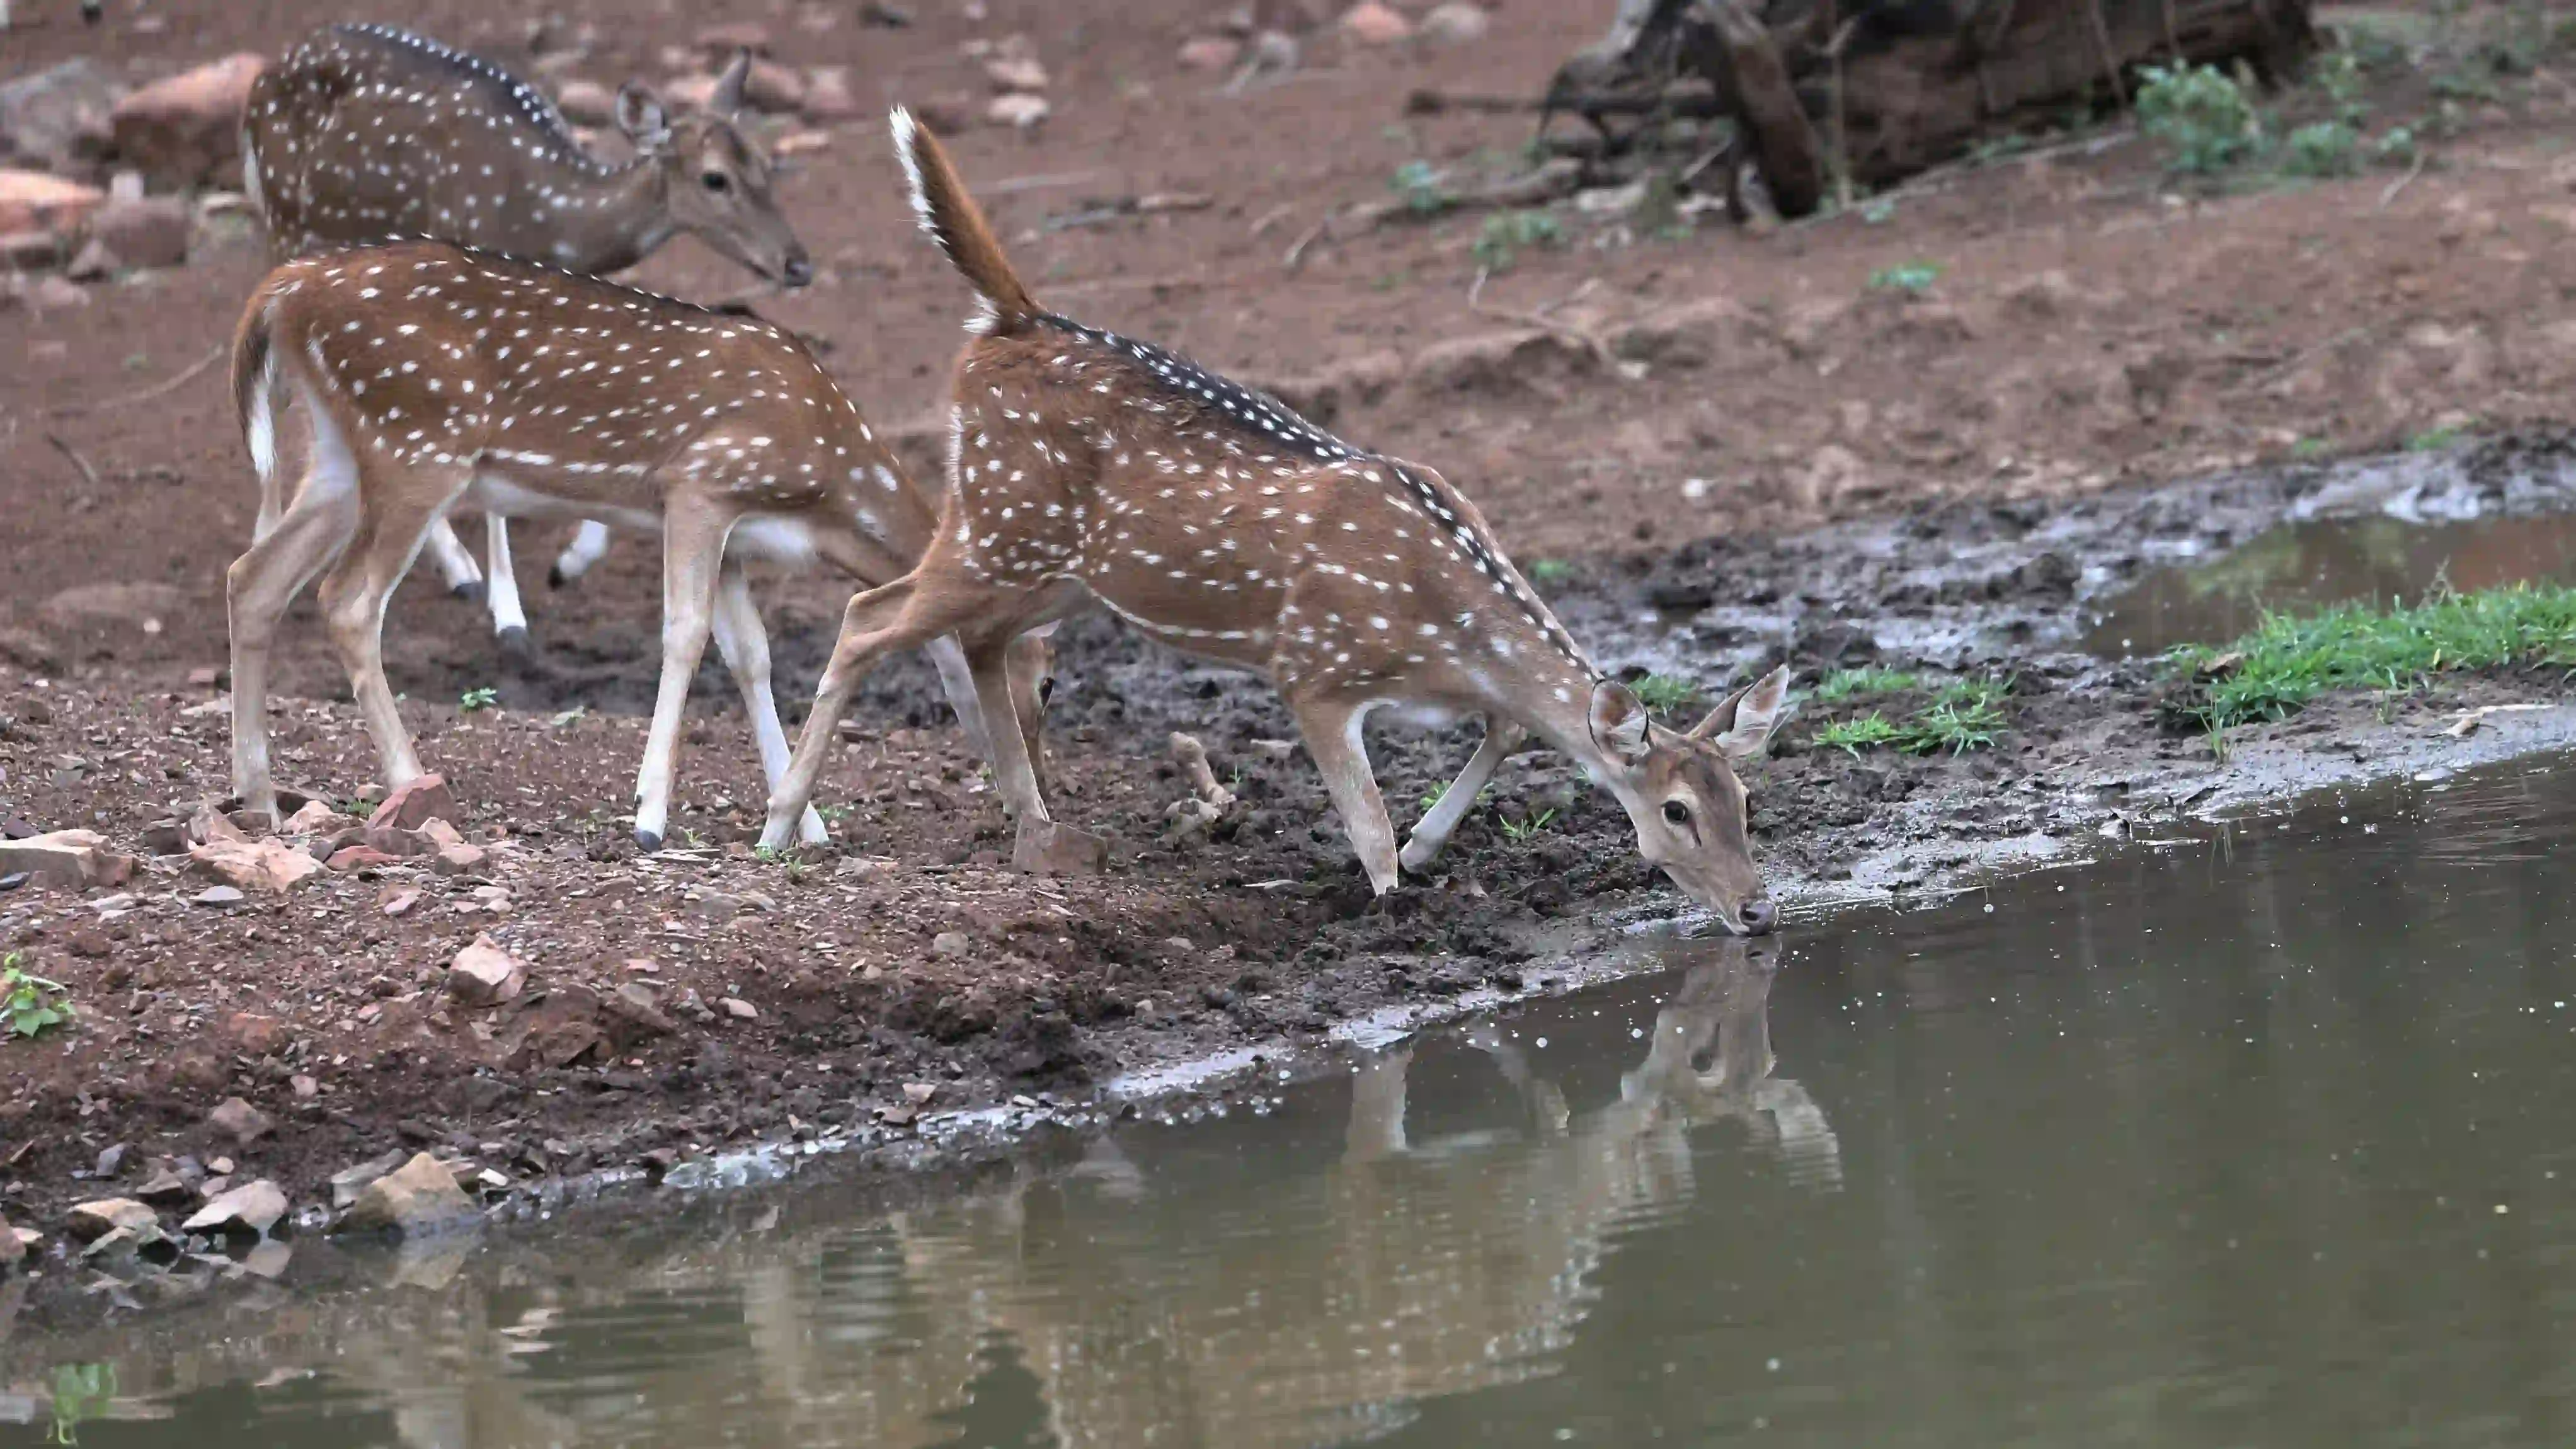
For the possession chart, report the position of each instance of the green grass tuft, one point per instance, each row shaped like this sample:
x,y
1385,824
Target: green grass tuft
x,y
1845,684
2288,661
1867,732
1664,693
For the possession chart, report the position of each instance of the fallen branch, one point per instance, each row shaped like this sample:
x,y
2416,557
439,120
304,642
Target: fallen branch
x,y
87,472
2402,182
1557,178
159,389
1151,204
2335,343
1539,319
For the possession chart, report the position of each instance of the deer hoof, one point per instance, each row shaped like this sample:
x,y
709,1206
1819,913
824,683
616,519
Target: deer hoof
x,y
471,591
556,578
1046,848
515,646
648,841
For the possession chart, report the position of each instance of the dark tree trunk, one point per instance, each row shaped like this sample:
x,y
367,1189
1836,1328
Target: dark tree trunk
x,y
1881,89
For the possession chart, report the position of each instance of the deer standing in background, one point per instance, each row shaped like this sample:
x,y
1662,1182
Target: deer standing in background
x,y
367,134
1085,465
431,375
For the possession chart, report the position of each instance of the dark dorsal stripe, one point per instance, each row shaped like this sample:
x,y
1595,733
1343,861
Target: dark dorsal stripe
x,y
1273,424
504,92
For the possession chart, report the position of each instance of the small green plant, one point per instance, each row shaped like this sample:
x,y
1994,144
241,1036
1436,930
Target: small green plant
x,y
2396,147
2200,114
2307,449
1912,278
1528,825
1851,736
1418,183
32,1002
568,718
1508,234
1432,797
2273,672
2435,440
1664,693
82,1391
1878,213
2338,74
2324,148
1550,571
1845,684
474,701
1954,725
2220,749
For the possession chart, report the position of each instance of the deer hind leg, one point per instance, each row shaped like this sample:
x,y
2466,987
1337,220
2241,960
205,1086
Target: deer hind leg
x,y
589,545
501,589
958,683
1027,662
261,584
1375,1131
744,643
1431,835
1332,729
393,525
994,661
456,565
693,541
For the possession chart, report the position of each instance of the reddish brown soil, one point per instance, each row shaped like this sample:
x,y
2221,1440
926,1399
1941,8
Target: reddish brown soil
x,y
2086,329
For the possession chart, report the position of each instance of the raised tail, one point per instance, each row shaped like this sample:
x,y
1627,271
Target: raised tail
x,y
954,221
255,397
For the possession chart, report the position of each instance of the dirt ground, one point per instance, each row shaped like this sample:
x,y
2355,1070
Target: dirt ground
x,y
2090,326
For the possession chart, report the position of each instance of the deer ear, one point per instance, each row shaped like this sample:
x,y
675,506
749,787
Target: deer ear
x,y
1618,722
1742,723
641,117
727,100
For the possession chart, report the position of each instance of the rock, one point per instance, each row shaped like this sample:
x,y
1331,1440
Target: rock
x,y
1023,112
240,1121
251,1209
800,143
219,896
55,294
183,131
1211,52
418,1198
70,859
13,1249
364,857
304,1087
147,231
738,1009
920,1093
266,1259
485,975
587,103
96,261
89,1221
773,89
1016,73
438,835
255,1034
110,1162
135,605
1371,23
269,864
30,251
458,859
828,96
416,804
317,818
35,201
57,119
348,1182
950,943
1053,848
397,900
1455,23
634,1013
166,1188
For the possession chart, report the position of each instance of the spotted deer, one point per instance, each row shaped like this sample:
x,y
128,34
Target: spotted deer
x,y
1089,466
368,133
431,375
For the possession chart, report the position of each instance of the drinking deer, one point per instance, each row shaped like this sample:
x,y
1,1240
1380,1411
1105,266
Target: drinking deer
x,y
1084,464
432,375
368,133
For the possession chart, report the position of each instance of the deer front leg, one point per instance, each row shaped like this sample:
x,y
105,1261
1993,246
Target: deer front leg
x,y
589,545
394,521
958,683
1431,835
1040,846
501,588
1375,1131
744,643
1332,732
692,546
464,579
873,623
263,582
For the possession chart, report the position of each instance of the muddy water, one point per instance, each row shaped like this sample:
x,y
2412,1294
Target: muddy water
x,y
2256,1138
2308,566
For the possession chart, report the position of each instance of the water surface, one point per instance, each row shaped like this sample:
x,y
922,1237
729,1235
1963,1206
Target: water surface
x,y
2261,1139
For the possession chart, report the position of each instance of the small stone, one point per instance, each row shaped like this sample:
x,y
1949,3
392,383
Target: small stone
x,y
348,1182
266,1259
738,1009
268,864
13,1249
184,130
828,96
415,805
420,1197
55,294
251,1209
458,859
485,975
1023,112
221,1167
33,201
397,900
772,89
72,859
1016,73
257,1035
801,143
166,1188
351,858
586,103
219,896
950,943
317,818
1371,23
920,1093
1457,22
305,1088
635,1006
143,231
110,1162
1211,52
90,1221
239,1120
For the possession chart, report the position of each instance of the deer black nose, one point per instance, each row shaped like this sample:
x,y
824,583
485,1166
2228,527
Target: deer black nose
x,y
797,272
1759,916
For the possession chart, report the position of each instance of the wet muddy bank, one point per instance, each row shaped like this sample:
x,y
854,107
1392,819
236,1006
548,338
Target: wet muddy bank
x,y
913,1003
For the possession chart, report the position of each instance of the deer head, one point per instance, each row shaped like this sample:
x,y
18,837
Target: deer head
x,y
716,182
1681,792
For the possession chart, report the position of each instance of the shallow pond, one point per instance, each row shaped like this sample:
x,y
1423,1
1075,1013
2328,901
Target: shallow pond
x,y
2260,1137
2304,567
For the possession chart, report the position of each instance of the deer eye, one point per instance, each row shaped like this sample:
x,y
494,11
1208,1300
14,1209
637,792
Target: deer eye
x,y
716,181
1677,812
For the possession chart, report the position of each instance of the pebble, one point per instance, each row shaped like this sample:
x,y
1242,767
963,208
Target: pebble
x,y
219,896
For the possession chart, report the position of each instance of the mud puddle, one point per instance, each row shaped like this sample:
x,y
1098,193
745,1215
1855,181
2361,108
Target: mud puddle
x,y
2244,1135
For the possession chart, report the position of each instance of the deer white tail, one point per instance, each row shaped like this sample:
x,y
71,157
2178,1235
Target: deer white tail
x,y
951,217
255,397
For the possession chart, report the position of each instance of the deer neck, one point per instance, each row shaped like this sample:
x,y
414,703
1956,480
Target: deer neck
x,y
607,221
